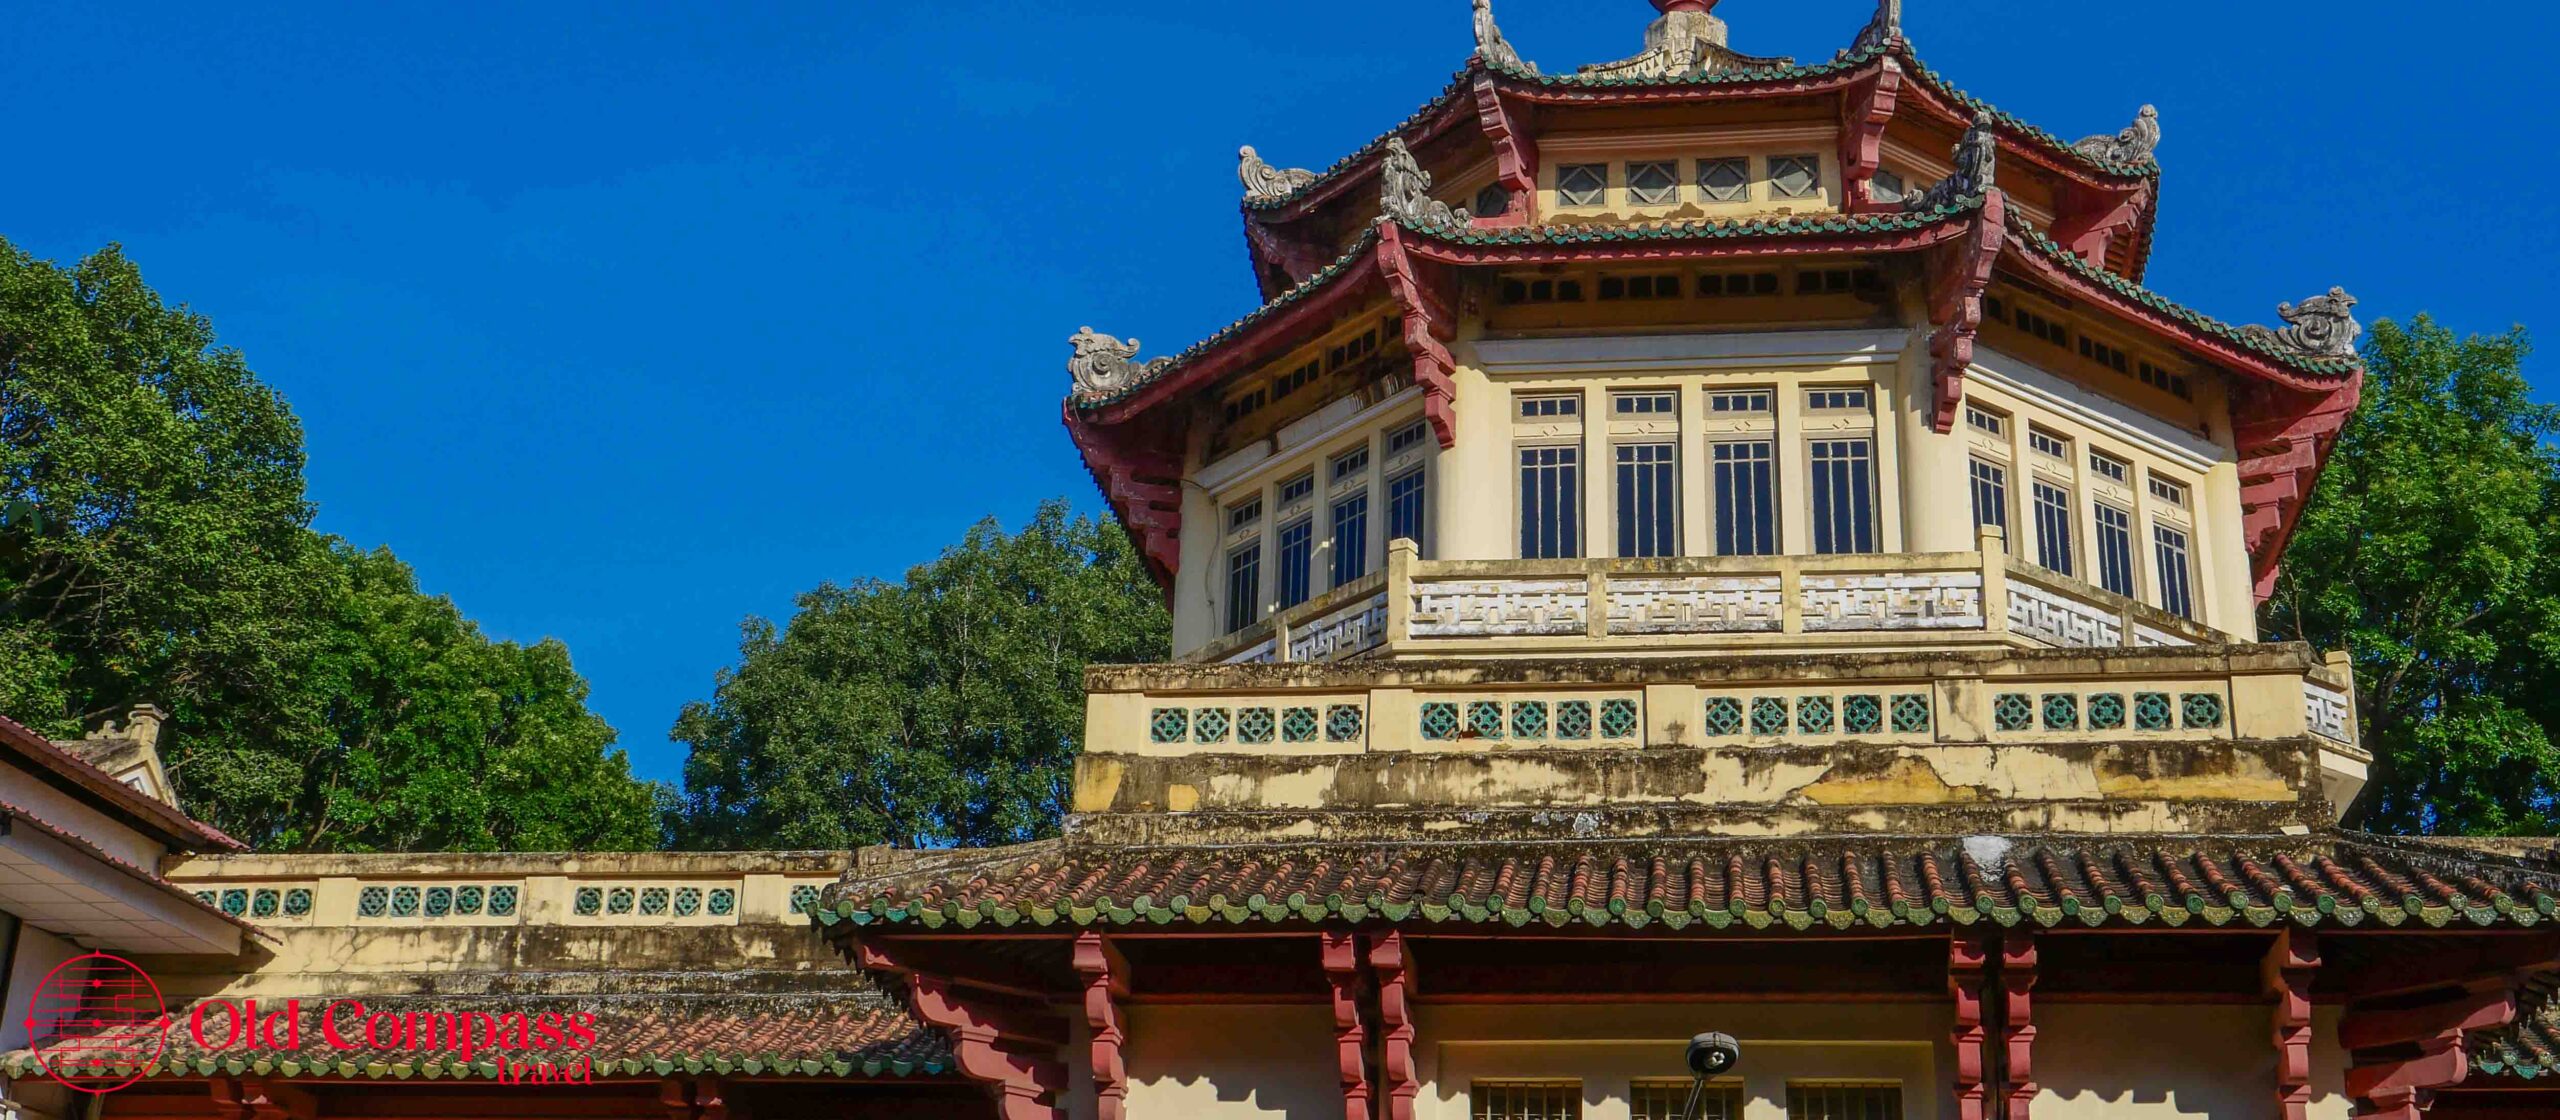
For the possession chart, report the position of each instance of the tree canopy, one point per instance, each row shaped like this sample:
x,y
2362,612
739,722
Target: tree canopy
x,y
157,546
2431,551
943,710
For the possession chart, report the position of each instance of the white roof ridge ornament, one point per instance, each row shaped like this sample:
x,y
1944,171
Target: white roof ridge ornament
x,y
1497,51
1883,30
1977,170
1265,183
1686,41
1404,191
2319,327
1103,365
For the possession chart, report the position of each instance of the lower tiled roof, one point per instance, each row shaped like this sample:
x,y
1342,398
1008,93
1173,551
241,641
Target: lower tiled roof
x,y
858,1034
2333,880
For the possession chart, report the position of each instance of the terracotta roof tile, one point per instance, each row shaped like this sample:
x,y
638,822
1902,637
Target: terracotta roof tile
x,y
842,1036
1717,884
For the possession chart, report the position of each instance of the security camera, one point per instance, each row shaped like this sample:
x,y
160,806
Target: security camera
x,y
1713,1053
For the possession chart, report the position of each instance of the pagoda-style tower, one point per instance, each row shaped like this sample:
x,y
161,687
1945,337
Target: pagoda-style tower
x,y
1710,541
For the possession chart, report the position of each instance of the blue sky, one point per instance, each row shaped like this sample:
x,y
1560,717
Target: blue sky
x,y
622,322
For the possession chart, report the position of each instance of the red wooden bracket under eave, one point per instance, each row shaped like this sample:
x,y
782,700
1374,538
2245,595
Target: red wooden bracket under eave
x,y
1339,952
1392,968
996,1046
2281,454
1515,150
1958,277
1144,488
2286,975
1864,112
1106,982
1968,970
1428,325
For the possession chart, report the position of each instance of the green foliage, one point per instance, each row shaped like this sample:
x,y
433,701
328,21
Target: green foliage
x,y
2431,550
947,709
155,544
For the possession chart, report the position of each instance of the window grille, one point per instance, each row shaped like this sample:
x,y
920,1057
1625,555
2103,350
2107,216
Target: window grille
x,y
2115,550
1244,515
1409,436
1756,402
1298,489
1648,505
1663,1100
2177,578
1990,496
1795,176
1653,184
2109,467
1244,586
1582,184
1725,180
1877,1101
1297,561
1550,503
1746,499
1524,1100
1405,498
1844,496
1351,537
2053,526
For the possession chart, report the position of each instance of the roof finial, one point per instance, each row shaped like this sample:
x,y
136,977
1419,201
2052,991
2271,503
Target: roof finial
x,y
2322,327
2134,145
1103,365
1977,166
1493,48
1265,183
1688,41
1882,30
1405,193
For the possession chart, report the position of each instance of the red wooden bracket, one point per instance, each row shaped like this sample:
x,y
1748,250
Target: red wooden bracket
x,y
2287,973
1428,325
2017,1022
1959,274
1106,981
1515,150
1864,111
1392,969
1968,970
1341,957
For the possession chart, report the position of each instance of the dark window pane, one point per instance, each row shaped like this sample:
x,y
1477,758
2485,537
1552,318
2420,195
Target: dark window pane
x,y
1746,500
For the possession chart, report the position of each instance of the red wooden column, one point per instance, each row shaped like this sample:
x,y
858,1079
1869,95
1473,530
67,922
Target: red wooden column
x,y
1968,971
1393,971
1341,954
2288,971
2017,1023
1106,982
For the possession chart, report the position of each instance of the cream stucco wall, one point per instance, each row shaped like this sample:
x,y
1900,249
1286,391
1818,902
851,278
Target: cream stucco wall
x,y
1229,1063
2150,1062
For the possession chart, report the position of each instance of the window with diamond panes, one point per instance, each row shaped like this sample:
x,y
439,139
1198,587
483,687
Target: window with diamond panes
x,y
1618,719
1439,721
1745,495
2014,711
1844,496
1795,176
1723,716
1524,1100
1653,183
1648,500
2053,527
1665,1100
1550,503
1342,723
1725,180
1297,561
1845,1101
2115,550
1582,184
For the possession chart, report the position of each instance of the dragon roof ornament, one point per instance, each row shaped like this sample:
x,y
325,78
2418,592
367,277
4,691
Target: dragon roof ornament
x,y
1265,183
2134,145
1405,193
1882,30
1685,42
1497,51
2322,327
1103,365
1977,167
